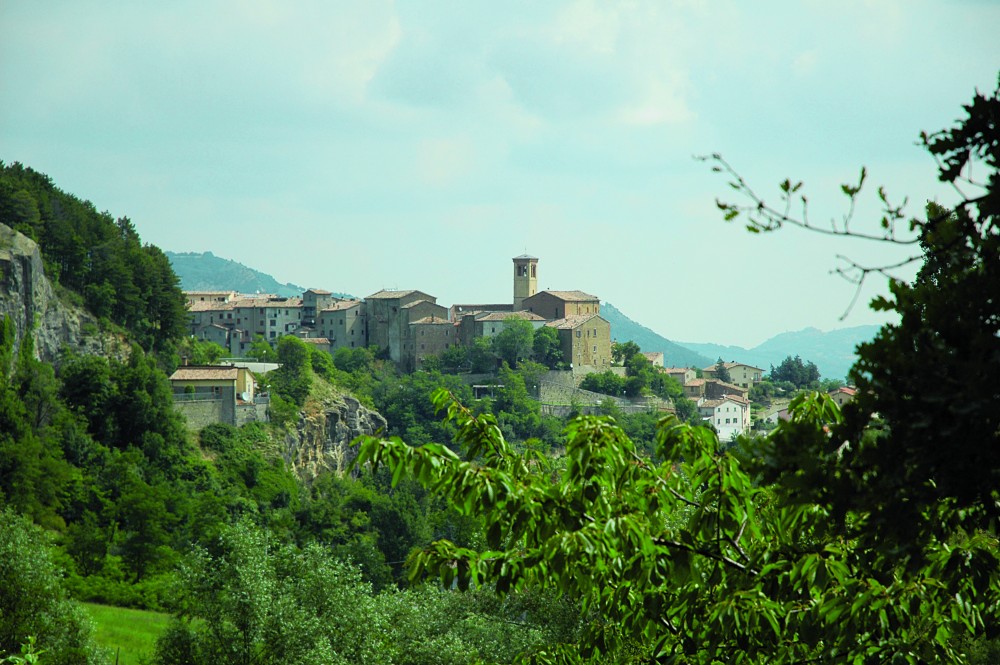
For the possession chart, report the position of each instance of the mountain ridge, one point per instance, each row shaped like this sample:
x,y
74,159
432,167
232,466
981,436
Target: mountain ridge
x,y
204,271
833,351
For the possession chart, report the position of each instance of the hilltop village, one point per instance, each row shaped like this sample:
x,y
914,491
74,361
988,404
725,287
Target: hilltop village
x,y
410,326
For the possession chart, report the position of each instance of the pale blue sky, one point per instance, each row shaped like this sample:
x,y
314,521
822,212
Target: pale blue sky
x,y
359,146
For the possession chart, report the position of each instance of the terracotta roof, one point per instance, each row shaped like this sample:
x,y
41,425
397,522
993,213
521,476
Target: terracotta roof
x,y
731,386
436,320
341,305
847,390
315,340
729,365
209,306
730,398
673,370
526,256
384,293
208,293
260,302
571,322
205,374
319,292
419,302
479,307
501,316
695,382
570,296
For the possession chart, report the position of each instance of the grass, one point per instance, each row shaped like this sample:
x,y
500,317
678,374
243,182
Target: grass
x,y
129,634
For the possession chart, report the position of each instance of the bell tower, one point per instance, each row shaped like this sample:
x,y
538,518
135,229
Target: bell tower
x,y
525,279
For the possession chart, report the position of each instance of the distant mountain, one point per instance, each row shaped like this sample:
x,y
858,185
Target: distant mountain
x,y
207,272
832,351
624,329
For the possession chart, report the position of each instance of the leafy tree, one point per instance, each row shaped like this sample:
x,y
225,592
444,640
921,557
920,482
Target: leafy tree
x,y
621,352
33,601
293,379
721,372
868,536
606,383
200,351
455,358
547,348
260,349
793,370
514,343
482,357
257,602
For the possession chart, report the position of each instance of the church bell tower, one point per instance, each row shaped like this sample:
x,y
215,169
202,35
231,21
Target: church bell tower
x,y
525,279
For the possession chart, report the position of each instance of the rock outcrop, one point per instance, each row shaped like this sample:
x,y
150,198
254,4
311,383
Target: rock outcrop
x,y
28,299
322,439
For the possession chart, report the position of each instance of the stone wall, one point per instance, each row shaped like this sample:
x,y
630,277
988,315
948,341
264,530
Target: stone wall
x,y
202,412
251,413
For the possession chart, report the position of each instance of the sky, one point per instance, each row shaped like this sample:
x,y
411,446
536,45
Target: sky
x,y
356,146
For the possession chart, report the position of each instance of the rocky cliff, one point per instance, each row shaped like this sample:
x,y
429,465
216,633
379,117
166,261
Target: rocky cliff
x,y
322,439
29,300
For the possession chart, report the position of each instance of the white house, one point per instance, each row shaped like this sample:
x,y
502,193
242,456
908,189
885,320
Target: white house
x,y
729,415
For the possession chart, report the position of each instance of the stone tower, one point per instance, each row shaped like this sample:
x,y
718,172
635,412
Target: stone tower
x,y
525,279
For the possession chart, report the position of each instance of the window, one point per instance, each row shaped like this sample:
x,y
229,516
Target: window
x,y
595,348
579,333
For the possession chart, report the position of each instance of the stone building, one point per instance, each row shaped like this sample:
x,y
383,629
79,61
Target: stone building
x,y
490,324
389,314
244,317
561,304
585,339
344,323
681,374
211,393
429,336
314,301
746,376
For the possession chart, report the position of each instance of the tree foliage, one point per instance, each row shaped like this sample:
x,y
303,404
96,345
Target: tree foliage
x,y
101,258
793,370
33,601
514,343
863,537
722,372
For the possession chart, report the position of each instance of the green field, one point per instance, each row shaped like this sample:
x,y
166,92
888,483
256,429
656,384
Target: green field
x,y
129,634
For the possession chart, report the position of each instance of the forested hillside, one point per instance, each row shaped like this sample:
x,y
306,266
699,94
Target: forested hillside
x,y
625,329
207,272
97,256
